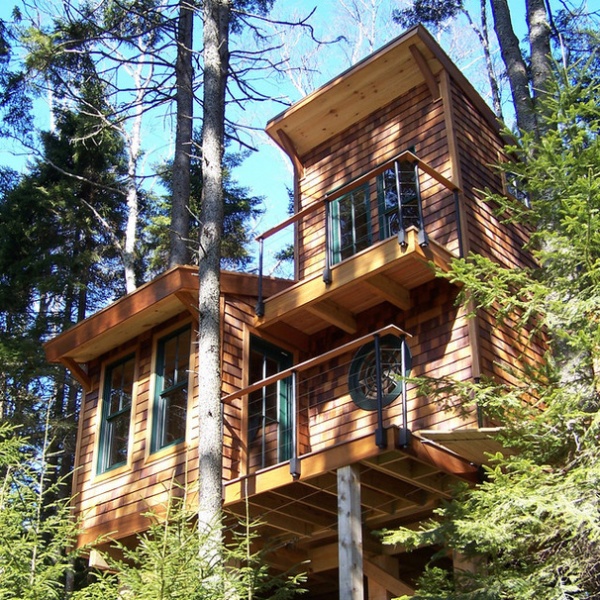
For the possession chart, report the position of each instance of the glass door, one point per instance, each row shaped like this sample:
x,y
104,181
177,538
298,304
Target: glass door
x,y
269,408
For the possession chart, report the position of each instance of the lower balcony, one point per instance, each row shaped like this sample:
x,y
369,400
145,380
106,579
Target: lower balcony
x,y
302,426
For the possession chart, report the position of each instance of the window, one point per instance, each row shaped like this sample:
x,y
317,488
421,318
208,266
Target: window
x,y
269,409
116,414
171,392
399,199
350,224
362,377
513,186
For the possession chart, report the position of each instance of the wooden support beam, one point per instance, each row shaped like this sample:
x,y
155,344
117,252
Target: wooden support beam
x,y
78,372
437,483
385,579
291,151
298,527
336,315
389,290
429,77
189,301
350,534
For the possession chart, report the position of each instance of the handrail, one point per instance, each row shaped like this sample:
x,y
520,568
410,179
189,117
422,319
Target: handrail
x,y
311,362
343,189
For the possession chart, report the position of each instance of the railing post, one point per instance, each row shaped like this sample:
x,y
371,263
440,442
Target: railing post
x,y
422,238
260,304
404,432
380,437
401,229
327,270
294,460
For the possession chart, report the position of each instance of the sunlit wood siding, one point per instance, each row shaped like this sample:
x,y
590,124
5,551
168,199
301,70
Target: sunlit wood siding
x,y
439,347
414,120
115,501
505,348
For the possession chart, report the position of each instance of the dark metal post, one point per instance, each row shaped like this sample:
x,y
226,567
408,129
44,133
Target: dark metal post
x,y
404,433
422,235
380,437
260,305
401,228
327,271
294,460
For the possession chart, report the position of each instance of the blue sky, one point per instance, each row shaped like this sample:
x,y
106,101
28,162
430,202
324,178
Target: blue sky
x,y
268,172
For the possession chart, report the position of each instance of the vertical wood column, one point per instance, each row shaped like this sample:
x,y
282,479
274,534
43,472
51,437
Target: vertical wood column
x,y
350,550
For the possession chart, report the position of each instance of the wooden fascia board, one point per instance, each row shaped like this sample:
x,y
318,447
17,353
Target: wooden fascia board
x,y
180,283
120,311
287,144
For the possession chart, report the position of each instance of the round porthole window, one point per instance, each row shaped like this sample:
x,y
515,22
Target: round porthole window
x,y
362,378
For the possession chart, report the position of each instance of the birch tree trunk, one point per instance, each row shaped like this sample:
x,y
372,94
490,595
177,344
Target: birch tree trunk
x,y
216,59
180,216
133,150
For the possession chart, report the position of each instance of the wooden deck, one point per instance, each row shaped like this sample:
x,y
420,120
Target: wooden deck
x,y
398,486
386,271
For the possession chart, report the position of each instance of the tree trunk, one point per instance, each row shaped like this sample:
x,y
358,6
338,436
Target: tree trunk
x,y
180,215
216,58
539,41
485,42
133,151
516,68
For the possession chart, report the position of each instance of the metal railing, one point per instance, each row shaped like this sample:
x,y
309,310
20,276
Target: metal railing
x,y
295,392
392,164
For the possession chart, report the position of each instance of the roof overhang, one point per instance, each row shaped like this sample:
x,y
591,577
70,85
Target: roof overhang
x,y
405,62
151,304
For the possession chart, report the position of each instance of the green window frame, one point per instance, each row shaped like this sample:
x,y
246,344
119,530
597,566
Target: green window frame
x,y
171,389
273,403
399,182
350,224
117,395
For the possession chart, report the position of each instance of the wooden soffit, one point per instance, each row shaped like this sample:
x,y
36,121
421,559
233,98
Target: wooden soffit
x,y
474,445
153,303
407,61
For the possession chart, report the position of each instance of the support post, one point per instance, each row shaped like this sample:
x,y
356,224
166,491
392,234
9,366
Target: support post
x,y
294,460
422,237
350,550
380,437
404,433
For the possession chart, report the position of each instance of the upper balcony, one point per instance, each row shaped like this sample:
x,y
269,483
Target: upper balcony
x,y
371,240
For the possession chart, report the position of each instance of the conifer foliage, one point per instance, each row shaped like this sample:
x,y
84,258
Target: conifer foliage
x,y
532,528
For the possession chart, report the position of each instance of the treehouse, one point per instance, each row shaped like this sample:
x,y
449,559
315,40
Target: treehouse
x,y
323,438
